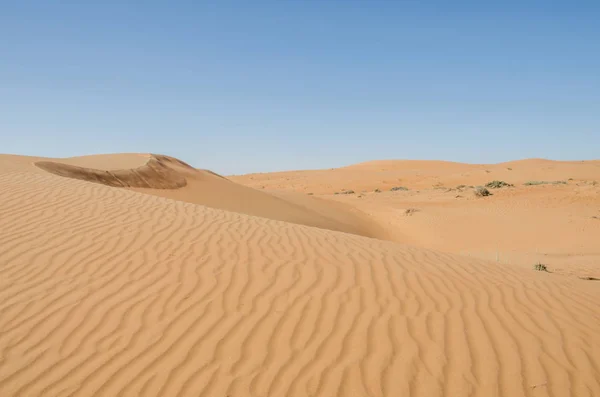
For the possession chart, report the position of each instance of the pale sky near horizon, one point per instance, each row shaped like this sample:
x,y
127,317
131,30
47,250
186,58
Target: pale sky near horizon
x,y
237,86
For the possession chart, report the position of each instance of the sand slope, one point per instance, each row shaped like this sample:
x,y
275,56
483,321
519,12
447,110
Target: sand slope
x,y
558,225
110,292
171,178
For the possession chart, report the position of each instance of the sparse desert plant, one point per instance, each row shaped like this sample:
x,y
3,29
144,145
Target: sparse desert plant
x,y
510,169
377,191
397,188
347,192
481,191
461,187
534,183
497,184
410,211
540,267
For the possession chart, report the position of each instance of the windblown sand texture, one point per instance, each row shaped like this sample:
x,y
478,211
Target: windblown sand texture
x,y
126,291
557,224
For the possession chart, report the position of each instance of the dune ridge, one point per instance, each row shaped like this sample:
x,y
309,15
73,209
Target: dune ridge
x,y
113,292
156,173
172,178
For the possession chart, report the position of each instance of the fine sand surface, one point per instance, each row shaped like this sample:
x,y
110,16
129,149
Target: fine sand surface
x,y
556,224
117,291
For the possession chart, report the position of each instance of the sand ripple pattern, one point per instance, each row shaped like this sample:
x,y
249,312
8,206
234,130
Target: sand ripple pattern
x,y
108,292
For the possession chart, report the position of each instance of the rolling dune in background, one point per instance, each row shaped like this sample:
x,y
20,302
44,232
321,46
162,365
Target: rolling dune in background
x,y
108,291
556,224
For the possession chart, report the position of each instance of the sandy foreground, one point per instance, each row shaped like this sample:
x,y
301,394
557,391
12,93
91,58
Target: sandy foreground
x,y
129,275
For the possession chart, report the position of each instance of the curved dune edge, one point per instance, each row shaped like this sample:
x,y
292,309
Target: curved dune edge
x,y
157,173
174,179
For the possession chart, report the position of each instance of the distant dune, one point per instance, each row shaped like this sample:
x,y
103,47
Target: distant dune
x,y
556,221
211,288
420,174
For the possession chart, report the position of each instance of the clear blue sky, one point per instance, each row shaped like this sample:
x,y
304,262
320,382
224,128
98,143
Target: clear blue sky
x,y
246,86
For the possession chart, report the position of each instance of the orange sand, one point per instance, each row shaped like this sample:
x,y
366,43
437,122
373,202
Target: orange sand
x,y
109,291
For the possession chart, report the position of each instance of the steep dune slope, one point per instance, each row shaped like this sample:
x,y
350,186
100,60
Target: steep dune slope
x,y
106,291
171,178
206,188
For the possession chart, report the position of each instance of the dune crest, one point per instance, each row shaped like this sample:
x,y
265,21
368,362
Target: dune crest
x,y
157,173
171,178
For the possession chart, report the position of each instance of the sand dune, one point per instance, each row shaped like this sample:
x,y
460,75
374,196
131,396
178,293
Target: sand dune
x,y
171,178
558,225
107,291
206,188
417,174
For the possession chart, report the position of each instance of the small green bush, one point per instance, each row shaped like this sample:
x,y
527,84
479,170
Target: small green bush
x,y
397,188
540,267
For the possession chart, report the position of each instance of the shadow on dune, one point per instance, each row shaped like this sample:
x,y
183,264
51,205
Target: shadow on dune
x,y
160,172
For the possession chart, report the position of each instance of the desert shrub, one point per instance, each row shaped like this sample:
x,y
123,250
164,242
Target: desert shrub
x,y
540,267
481,191
347,192
533,183
410,211
396,188
377,191
497,184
